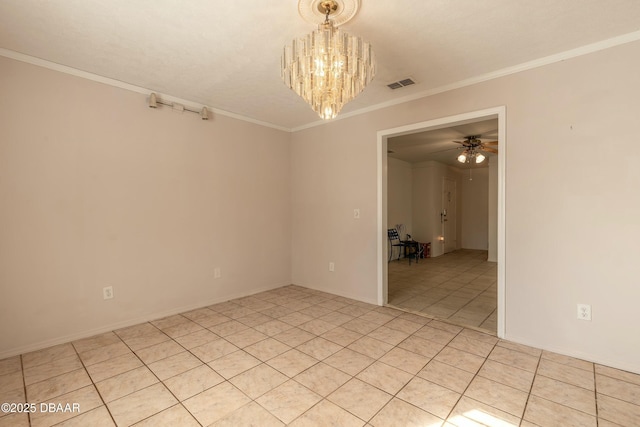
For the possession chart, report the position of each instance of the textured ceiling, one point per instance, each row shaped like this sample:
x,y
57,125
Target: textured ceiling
x,y
226,54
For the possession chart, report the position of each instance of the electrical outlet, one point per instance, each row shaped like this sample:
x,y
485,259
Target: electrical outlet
x,y
356,214
584,312
216,273
107,292
332,267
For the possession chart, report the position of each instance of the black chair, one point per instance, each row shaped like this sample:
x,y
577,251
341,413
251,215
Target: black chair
x,y
394,237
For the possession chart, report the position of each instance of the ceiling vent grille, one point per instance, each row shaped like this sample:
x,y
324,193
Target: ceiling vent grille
x,y
401,83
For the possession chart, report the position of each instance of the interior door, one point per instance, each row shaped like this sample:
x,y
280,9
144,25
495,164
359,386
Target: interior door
x,y
448,215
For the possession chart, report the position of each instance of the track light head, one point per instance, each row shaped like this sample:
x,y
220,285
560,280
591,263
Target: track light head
x,y
153,101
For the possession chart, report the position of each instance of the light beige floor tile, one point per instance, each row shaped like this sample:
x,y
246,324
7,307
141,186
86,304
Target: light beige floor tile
x,y
126,383
56,386
429,396
159,351
317,326
182,329
98,417
326,413
10,382
500,396
349,361
112,367
319,348
170,321
14,420
257,381
44,371
234,363
421,346
370,347
296,318
446,375
440,336
273,327
617,374
141,404
399,413
360,398
569,361
175,416
192,382
16,395
292,362
322,379
106,352
246,337
460,359
385,377
10,365
254,319
470,412
213,350
342,336
565,394
216,403
531,351
288,401
250,415
174,365
404,359
514,358
545,413
142,341
359,325
507,375
619,389
388,335
136,331
96,341
47,355
471,345
294,337
576,376
86,399
403,325
618,411
336,318
267,349
196,339
228,328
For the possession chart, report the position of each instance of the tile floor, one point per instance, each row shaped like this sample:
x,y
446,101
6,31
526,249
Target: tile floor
x,y
459,286
294,356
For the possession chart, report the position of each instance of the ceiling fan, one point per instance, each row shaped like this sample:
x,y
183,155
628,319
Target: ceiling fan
x,y
473,148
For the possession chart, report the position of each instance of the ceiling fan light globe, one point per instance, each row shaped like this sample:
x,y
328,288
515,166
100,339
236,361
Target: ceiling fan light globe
x,y
462,158
479,158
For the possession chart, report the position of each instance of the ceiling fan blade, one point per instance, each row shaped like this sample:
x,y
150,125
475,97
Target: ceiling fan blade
x,y
461,142
489,150
490,143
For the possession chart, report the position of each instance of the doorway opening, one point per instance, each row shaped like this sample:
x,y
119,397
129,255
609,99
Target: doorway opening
x,y
439,216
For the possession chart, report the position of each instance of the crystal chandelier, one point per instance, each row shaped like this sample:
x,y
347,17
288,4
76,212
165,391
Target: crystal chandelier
x,y
328,67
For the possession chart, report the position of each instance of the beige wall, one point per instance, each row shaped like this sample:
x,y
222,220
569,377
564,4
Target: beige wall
x,y
96,189
474,209
572,200
400,193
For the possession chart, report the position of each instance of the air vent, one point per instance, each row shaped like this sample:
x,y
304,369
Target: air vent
x,y
401,83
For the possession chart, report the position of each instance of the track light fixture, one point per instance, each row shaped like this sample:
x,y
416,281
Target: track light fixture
x,y
154,101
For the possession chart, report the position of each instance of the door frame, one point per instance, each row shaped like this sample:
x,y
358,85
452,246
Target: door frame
x,y
382,137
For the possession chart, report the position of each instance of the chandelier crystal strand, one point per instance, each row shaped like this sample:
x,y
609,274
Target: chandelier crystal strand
x,y
328,68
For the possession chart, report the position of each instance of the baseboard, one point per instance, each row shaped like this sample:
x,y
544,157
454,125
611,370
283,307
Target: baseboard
x,y
130,322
